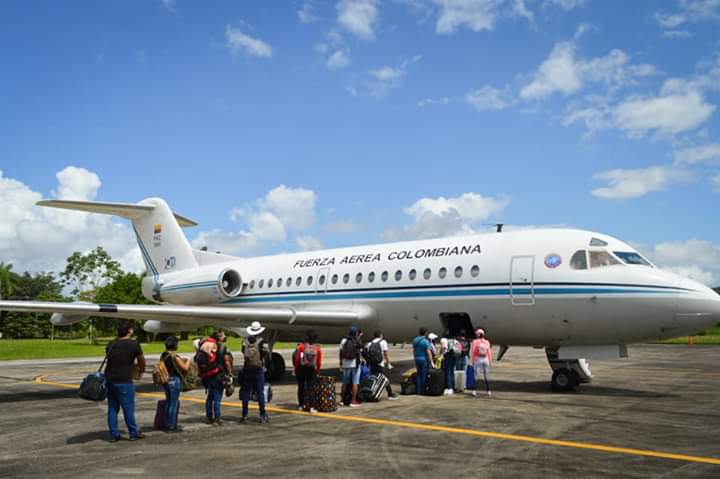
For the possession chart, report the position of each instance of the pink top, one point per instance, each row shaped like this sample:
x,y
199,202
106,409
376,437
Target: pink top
x,y
480,348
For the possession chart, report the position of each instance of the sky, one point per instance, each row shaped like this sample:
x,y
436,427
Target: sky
x,y
298,125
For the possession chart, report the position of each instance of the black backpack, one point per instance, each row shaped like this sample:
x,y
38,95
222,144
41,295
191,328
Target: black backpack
x,y
350,349
375,353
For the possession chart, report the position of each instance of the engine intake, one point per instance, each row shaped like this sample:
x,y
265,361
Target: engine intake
x,y
230,283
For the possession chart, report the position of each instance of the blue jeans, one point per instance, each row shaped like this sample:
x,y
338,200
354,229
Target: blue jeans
x,y
214,388
351,375
253,380
449,371
461,363
421,376
172,398
121,395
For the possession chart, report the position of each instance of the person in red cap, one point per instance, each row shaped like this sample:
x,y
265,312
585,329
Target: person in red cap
x,y
481,358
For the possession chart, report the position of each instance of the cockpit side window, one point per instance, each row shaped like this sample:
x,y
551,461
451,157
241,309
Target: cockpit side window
x,y
598,242
599,259
631,257
579,260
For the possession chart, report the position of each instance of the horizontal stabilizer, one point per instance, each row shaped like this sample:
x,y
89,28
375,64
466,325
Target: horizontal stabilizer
x,y
130,211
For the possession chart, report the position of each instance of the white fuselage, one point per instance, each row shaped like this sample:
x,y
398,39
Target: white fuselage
x,y
519,286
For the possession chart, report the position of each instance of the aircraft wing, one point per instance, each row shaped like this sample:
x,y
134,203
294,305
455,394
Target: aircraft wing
x,y
198,315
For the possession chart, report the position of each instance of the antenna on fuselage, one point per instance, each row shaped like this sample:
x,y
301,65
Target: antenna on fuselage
x,y
498,227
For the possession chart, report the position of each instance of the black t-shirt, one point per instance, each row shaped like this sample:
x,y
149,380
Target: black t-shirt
x,y
170,364
120,359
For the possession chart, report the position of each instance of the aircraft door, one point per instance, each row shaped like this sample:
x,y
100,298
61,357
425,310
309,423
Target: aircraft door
x,y
321,280
522,285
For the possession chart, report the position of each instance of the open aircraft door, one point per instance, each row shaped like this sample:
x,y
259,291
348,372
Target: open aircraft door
x,y
522,286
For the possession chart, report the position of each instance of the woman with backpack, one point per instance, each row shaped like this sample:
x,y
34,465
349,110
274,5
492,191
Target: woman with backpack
x,y
481,357
308,360
209,372
176,367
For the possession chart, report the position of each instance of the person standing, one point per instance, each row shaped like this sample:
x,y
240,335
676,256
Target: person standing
x,y
208,370
422,352
309,362
225,361
256,353
378,359
448,344
176,367
481,357
122,355
350,352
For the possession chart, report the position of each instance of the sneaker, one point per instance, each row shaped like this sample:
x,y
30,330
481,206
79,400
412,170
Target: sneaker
x,y
474,394
489,393
265,418
210,421
354,404
393,397
301,408
445,392
218,422
312,410
243,420
114,438
450,392
139,436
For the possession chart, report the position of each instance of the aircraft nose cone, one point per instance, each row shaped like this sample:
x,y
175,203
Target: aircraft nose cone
x,y
698,307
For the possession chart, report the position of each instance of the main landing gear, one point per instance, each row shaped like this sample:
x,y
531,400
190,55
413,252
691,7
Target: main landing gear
x,y
567,373
276,369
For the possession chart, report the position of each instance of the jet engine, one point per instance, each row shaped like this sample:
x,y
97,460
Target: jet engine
x,y
205,285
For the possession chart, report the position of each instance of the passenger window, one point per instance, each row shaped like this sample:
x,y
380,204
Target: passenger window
x,y
288,282
384,276
358,278
321,279
270,283
252,284
579,260
309,280
427,273
442,272
599,259
260,284
412,275
279,283
371,276
398,275
346,278
458,272
334,279
298,281
475,271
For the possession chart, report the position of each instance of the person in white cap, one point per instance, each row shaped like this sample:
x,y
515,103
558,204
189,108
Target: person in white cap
x,y
256,353
481,358
433,347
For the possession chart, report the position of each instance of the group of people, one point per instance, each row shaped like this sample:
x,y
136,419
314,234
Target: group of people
x,y
214,363
453,354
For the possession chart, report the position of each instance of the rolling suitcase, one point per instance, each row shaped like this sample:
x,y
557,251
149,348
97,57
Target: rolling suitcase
x,y
159,422
324,394
460,380
408,385
470,382
435,383
372,387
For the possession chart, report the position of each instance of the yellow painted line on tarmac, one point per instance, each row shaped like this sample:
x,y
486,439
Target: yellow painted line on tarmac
x,y
446,429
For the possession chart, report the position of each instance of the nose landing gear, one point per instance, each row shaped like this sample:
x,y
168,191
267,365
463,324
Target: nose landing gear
x,y
567,373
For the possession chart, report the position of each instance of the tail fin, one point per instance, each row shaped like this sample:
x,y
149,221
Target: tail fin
x,y
162,243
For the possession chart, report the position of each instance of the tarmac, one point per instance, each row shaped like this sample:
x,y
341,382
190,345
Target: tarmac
x,y
655,414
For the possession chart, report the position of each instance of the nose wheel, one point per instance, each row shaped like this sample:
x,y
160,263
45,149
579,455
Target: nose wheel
x,y
568,374
564,379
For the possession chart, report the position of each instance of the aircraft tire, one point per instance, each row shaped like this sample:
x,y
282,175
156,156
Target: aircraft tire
x,y
277,370
564,379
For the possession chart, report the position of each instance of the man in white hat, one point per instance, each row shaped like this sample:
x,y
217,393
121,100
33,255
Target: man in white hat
x,y
257,355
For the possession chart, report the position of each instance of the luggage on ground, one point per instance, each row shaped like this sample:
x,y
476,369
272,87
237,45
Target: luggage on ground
x,y
93,387
323,398
408,385
435,383
373,387
460,380
159,422
470,381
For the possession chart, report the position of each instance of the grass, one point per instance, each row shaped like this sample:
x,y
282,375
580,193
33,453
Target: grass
x,y
710,336
81,348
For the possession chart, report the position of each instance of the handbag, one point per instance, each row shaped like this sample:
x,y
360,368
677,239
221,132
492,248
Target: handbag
x,y
94,386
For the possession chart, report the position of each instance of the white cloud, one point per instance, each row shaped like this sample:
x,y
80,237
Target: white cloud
x,y
690,11
668,20
664,114
627,184
238,41
697,154
715,180
488,98
306,14
387,73
267,226
239,243
563,73
676,34
694,258
358,17
339,59
308,243
433,101
34,238
519,9
565,4
435,217
295,207
343,227
383,79
477,15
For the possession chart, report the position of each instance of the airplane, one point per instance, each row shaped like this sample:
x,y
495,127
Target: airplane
x,y
578,294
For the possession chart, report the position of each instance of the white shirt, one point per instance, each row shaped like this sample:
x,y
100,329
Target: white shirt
x,y
383,348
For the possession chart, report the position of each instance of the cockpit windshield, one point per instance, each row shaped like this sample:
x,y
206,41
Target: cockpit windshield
x,y
631,257
599,259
